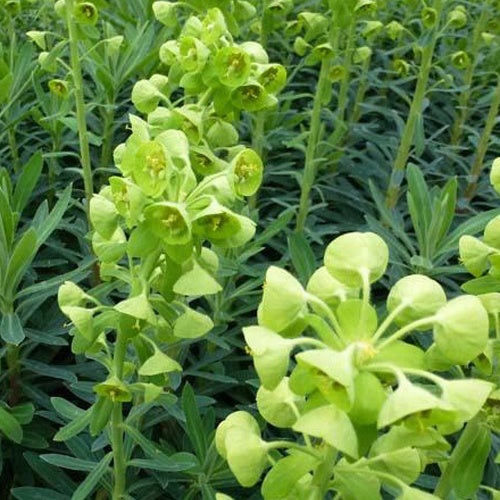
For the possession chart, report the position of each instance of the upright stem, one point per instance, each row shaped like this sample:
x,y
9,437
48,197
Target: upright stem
x,y
361,91
107,144
323,473
482,148
80,106
258,138
119,460
312,144
14,372
463,99
415,113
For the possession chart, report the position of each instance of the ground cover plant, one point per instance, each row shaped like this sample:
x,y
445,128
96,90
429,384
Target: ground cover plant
x,y
249,249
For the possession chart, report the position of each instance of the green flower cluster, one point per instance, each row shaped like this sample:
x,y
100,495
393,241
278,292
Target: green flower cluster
x,y
365,402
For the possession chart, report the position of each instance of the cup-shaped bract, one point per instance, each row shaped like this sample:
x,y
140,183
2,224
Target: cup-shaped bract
x,y
169,52
429,17
280,406
474,254
271,354
495,175
128,199
492,233
272,77
103,215
457,17
86,13
165,13
252,96
337,73
394,30
247,169
222,134
114,389
283,300
238,419
213,26
365,7
145,96
232,65
460,59
159,363
330,290
216,223
362,54
350,256
401,67
150,170
416,297
193,54
461,329
59,88
256,52
372,28
169,221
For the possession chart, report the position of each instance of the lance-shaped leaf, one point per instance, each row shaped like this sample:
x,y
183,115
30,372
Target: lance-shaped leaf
x,y
351,254
247,169
271,354
461,329
159,363
232,66
150,168
406,400
283,300
333,426
279,406
168,221
417,297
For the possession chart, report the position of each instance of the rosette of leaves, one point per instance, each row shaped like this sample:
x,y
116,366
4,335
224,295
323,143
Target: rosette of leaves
x,y
205,61
156,228
367,409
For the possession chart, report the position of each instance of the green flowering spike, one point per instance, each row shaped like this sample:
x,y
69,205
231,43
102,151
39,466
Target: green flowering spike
x,y
401,67
213,27
59,88
460,59
362,54
458,17
86,13
103,215
247,169
270,353
372,29
466,396
165,13
114,389
159,363
369,396
350,255
232,66
252,97
365,7
401,354
283,300
279,406
256,52
417,297
406,400
429,17
333,426
238,419
461,329
169,221
112,249
350,316
138,307
394,30
492,233
474,254
324,286
193,54
272,77
150,169
495,175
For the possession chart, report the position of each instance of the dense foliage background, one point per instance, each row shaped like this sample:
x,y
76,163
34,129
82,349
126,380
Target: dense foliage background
x,y
387,122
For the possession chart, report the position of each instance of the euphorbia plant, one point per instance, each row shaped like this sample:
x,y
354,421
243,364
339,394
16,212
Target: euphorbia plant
x,y
365,405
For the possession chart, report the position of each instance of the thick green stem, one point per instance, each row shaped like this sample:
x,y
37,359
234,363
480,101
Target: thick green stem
x,y
107,145
484,141
258,139
119,460
310,167
323,473
414,115
80,106
361,91
463,99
